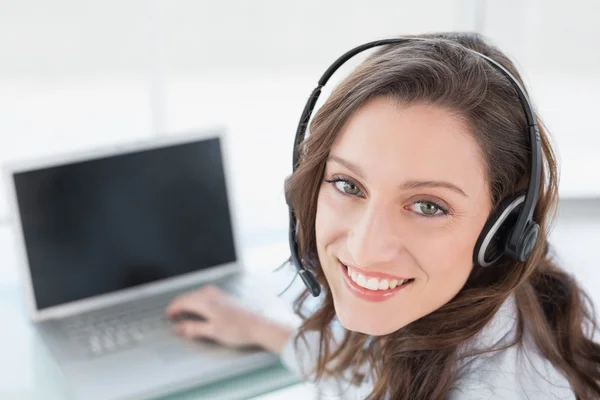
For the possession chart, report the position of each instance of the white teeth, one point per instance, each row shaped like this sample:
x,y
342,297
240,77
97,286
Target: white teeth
x,y
373,283
361,280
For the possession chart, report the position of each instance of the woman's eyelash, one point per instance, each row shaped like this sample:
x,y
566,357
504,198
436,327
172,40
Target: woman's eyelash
x,y
335,179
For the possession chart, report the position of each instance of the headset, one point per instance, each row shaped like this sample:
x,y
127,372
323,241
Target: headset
x,y
509,231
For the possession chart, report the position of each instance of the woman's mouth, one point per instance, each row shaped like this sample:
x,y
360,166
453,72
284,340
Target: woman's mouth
x,y
373,287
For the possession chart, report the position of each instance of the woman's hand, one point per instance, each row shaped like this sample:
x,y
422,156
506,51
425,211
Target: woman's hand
x,y
226,320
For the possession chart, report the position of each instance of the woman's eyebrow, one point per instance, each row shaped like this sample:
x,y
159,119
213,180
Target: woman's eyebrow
x,y
433,184
412,184
348,164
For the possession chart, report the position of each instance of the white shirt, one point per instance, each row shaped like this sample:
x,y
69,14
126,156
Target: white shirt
x,y
510,374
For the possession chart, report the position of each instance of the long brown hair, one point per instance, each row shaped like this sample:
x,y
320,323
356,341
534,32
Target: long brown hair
x,y
419,360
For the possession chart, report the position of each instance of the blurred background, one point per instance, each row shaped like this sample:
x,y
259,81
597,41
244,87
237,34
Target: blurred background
x,y
77,75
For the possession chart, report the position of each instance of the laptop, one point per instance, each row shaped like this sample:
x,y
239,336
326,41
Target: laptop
x,y
107,240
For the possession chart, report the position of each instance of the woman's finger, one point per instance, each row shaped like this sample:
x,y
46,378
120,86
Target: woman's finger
x,y
194,329
199,301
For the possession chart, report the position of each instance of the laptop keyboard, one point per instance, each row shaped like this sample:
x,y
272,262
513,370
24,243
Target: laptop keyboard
x,y
113,329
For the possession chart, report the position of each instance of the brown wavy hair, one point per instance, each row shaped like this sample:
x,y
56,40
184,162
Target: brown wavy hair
x,y
419,361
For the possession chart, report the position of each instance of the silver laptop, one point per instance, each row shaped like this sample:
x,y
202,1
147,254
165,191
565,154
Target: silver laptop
x,y
108,239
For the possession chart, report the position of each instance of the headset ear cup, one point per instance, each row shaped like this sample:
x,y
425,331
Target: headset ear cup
x,y
490,245
528,241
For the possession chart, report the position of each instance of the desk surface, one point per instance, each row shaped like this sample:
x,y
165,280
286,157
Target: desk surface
x,y
27,371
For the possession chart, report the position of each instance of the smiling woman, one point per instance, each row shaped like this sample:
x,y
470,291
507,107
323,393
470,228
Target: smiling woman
x,y
409,218
406,164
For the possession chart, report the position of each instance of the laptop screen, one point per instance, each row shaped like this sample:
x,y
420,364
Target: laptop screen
x,y
103,225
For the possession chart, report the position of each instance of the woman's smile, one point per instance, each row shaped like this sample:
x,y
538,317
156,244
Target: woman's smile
x,y
374,286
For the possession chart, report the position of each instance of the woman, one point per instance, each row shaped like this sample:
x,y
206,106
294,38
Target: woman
x,y
405,162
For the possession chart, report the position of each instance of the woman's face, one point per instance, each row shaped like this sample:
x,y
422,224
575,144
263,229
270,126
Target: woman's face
x,y
404,197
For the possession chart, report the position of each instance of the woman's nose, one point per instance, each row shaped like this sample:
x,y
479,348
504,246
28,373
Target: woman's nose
x,y
374,238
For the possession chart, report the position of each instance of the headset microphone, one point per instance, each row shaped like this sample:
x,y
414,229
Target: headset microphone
x,y
309,279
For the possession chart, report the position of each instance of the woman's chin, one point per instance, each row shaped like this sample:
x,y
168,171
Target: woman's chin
x,y
371,325
368,329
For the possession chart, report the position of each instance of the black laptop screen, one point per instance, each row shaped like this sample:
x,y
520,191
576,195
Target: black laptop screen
x,y
108,224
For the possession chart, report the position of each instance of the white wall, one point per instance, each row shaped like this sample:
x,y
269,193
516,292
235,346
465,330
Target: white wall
x,y
78,74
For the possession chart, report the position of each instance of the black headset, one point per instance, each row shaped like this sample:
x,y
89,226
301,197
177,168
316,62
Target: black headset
x,y
509,231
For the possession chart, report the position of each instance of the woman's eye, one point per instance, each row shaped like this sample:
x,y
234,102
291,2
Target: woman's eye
x,y
428,208
347,187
